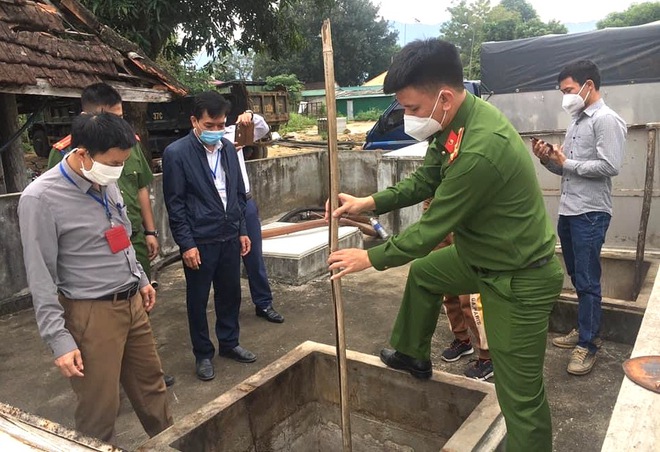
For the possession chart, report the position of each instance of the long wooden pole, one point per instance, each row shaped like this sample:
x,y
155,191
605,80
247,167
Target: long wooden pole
x,y
646,206
328,64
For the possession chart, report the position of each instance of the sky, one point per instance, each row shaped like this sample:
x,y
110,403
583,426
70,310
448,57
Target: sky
x,y
566,11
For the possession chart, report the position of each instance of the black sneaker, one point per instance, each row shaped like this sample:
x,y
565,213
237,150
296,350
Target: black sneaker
x,y
457,349
481,370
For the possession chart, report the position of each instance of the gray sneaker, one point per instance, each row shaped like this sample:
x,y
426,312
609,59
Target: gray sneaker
x,y
568,341
571,340
581,361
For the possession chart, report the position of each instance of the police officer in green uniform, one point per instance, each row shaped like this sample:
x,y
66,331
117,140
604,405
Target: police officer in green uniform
x,y
484,188
134,181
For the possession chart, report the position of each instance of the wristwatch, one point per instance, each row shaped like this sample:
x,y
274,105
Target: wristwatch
x,y
154,233
251,113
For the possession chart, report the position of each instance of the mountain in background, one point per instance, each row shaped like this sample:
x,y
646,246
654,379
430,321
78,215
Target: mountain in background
x,y
410,32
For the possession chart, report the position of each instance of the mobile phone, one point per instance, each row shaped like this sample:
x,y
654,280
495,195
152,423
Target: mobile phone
x,y
245,134
536,140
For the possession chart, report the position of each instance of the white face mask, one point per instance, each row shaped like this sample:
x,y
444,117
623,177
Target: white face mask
x,y
102,174
422,128
573,104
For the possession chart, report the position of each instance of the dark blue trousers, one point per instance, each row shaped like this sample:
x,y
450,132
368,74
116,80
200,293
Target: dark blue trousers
x,y
255,267
582,237
221,266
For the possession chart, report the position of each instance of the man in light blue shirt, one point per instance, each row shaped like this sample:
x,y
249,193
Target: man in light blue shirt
x,y
591,155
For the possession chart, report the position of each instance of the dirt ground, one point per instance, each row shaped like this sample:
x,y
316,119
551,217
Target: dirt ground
x,y
355,132
581,406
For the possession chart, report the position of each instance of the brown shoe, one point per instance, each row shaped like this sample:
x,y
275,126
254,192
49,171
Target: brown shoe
x,y
571,340
581,361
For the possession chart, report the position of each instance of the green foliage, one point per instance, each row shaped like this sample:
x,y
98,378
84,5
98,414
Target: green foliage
x,y
290,82
476,22
465,29
297,123
184,70
636,14
362,43
217,26
369,115
233,66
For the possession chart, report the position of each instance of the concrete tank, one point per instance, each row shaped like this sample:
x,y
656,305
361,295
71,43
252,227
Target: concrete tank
x,y
293,405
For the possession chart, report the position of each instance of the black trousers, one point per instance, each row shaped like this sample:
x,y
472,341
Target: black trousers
x,y
221,264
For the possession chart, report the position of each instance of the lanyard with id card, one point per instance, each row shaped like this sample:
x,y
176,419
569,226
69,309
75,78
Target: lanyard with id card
x,y
116,236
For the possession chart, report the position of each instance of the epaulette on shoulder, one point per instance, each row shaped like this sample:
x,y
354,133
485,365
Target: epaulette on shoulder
x,y
63,143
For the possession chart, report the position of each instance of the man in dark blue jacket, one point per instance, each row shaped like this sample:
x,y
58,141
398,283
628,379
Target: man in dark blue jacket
x,y
206,199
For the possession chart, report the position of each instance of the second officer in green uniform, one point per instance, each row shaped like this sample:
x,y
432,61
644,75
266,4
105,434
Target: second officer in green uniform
x,y
484,188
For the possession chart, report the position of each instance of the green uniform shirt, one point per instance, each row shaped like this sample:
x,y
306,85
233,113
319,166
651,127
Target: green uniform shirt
x,y
136,175
488,196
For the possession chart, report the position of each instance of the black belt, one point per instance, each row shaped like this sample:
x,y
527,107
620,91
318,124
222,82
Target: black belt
x,y
124,295
248,195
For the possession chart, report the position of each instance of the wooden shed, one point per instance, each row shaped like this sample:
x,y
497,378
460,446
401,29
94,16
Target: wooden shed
x,y
56,48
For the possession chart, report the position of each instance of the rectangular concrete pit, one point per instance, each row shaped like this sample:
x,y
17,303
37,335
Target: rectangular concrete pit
x,y
622,315
302,256
293,405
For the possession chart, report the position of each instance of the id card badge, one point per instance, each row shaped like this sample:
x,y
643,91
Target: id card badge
x,y
117,238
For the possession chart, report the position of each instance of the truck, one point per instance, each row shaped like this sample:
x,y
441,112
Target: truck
x,y
169,121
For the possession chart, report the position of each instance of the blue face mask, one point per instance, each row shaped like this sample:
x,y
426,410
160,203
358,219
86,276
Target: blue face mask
x,y
211,136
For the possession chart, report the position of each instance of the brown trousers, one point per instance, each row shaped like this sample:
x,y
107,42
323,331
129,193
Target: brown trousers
x,y
461,312
117,346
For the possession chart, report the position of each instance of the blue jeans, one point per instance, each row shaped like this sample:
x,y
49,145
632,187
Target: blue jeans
x,y
221,266
255,267
582,238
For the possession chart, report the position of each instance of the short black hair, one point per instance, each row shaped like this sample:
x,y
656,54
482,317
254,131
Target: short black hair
x,y
581,71
425,64
99,95
100,132
211,102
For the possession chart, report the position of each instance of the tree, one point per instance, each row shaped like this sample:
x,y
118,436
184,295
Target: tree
x,y
474,23
465,30
636,14
186,72
217,26
178,29
363,44
289,81
234,66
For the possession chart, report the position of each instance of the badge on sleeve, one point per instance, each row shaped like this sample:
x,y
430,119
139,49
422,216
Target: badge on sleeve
x,y
453,143
117,238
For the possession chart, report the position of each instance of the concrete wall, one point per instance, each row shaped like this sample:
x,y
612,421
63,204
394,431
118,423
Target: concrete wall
x,y
541,110
279,185
282,184
628,191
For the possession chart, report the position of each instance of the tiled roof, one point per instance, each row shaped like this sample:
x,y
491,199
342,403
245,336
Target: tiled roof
x,y
54,45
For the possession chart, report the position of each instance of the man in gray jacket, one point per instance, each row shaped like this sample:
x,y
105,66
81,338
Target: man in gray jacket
x,y
90,294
